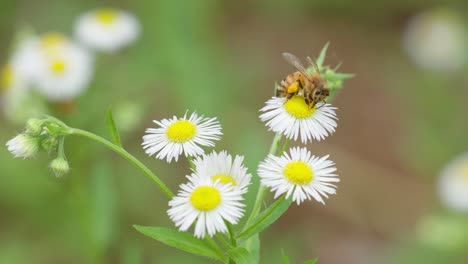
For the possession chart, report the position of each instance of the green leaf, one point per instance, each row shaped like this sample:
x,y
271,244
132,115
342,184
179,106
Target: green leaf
x,y
266,218
253,246
112,128
241,255
180,240
338,76
312,261
284,257
323,53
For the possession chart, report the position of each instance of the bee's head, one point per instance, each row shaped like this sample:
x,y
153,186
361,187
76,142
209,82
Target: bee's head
x,y
320,94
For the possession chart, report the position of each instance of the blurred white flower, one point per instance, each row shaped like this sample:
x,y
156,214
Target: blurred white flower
x,y
17,103
106,29
453,184
294,118
436,40
300,175
65,68
209,204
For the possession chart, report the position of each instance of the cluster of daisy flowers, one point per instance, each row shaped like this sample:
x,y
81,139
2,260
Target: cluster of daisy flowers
x,y
212,198
59,67
213,194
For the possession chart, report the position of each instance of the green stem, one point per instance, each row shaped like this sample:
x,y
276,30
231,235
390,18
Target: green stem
x,y
262,190
286,144
231,234
223,240
214,245
122,152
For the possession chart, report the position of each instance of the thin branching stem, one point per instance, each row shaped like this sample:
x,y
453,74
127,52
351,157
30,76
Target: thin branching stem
x,y
122,152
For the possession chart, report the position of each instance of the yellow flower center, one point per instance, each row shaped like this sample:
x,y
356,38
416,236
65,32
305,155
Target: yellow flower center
x,y
205,198
224,179
298,108
7,77
298,172
181,131
106,16
51,41
463,171
58,66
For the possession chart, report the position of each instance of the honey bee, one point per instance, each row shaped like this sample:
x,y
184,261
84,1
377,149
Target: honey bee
x,y
311,86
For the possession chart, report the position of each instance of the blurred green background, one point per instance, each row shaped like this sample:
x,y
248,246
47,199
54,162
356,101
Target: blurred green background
x,y
398,125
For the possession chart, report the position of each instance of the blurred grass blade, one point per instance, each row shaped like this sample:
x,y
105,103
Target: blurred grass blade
x,y
284,257
266,218
180,240
112,128
312,261
240,255
103,206
323,53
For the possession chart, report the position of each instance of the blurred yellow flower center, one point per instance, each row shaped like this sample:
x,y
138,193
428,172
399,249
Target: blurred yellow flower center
x,y
181,131
298,108
464,172
224,179
205,198
51,41
58,66
298,172
7,77
106,16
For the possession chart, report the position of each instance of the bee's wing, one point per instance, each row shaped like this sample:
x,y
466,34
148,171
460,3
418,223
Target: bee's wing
x,y
313,64
294,61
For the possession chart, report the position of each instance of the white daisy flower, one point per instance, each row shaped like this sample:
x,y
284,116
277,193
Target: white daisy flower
x,y
453,184
436,40
23,146
207,203
66,68
107,29
294,118
221,167
181,135
299,174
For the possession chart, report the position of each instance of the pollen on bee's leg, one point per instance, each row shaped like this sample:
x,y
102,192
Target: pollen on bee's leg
x,y
293,88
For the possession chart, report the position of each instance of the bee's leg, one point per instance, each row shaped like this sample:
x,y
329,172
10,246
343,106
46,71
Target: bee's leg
x,y
323,103
290,95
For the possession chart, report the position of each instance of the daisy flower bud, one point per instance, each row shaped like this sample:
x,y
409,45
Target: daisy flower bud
x,y
34,126
106,29
59,166
24,146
